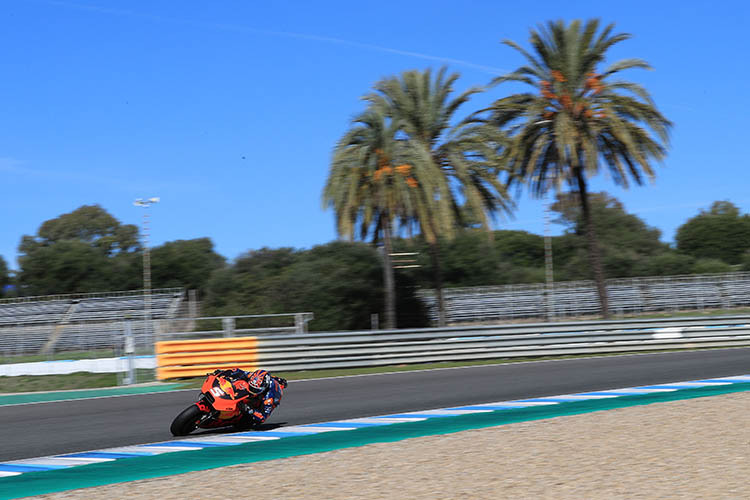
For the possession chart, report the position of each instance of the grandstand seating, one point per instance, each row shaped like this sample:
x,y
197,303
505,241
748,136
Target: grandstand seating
x,y
33,312
83,322
579,298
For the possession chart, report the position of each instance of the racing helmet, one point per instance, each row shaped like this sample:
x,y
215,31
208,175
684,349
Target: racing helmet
x,y
258,382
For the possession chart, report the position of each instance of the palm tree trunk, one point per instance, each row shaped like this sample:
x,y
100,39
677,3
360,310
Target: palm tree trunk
x,y
437,280
388,279
593,246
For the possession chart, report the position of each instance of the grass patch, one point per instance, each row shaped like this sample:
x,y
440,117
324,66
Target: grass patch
x,y
78,380
692,313
32,358
65,355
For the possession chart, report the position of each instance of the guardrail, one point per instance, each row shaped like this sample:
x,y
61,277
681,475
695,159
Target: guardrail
x,y
229,326
191,358
387,347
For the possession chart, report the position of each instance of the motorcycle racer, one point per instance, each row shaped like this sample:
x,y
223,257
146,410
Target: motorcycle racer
x,y
265,388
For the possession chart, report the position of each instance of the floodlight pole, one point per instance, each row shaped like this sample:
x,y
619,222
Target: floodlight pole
x,y
140,202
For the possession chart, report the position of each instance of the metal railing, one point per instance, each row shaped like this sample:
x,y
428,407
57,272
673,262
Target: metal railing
x,y
88,295
104,334
232,326
387,347
579,298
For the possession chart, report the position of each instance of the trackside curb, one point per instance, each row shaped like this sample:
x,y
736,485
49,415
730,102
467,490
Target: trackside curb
x,y
54,396
131,469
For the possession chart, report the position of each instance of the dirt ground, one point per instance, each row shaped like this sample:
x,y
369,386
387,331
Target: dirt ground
x,y
696,449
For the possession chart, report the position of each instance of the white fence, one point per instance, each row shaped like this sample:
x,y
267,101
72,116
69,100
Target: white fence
x,y
389,347
579,298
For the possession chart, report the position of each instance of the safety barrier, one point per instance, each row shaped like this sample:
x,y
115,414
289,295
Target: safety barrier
x,y
193,358
311,351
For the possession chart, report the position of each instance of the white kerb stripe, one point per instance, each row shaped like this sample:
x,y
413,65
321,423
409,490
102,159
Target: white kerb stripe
x,y
695,384
322,428
638,390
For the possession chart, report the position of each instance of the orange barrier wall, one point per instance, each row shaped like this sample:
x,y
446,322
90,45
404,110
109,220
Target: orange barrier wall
x,y
194,358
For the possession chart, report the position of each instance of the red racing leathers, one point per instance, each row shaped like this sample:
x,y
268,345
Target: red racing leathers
x,y
262,405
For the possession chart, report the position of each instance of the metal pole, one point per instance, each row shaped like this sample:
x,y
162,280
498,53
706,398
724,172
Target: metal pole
x,y
129,352
147,327
146,276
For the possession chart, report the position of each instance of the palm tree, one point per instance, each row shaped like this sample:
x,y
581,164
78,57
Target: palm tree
x,y
449,162
578,118
370,186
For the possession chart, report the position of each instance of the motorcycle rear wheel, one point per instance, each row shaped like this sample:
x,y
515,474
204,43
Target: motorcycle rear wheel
x,y
187,421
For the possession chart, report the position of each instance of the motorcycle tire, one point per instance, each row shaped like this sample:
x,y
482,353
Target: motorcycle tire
x,y
187,421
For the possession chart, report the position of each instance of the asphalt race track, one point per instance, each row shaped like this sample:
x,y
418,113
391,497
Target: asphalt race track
x,y
34,430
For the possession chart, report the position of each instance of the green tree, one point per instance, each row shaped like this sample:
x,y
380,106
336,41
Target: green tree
x,y
666,264
370,187
718,233
249,285
184,263
5,278
624,239
93,225
467,260
340,282
710,266
82,251
473,259
577,118
449,163
745,266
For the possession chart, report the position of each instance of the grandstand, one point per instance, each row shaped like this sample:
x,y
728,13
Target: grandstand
x,y
42,325
579,298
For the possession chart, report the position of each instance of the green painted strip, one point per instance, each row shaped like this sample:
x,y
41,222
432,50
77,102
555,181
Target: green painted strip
x,y
40,397
131,469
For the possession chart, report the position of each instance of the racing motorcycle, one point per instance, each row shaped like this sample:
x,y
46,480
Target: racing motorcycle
x,y
219,404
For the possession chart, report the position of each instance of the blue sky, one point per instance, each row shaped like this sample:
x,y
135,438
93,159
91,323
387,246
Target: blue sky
x,y
228,110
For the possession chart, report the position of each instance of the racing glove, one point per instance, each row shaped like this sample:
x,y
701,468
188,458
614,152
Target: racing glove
x,y
282,381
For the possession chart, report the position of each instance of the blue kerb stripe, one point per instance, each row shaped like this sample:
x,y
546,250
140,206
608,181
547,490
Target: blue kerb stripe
x,y
29,468
718,381
272,434
104,454
345,424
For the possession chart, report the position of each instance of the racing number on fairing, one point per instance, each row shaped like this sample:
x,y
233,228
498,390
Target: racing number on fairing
x,y
217,392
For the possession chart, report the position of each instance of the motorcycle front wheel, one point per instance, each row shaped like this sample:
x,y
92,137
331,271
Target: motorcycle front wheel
x,y
187,421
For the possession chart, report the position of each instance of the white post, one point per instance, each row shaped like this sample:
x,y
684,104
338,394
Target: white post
x,y
227,325
129,354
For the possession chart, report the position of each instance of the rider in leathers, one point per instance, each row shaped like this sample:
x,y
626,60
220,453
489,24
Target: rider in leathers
x,y
265,388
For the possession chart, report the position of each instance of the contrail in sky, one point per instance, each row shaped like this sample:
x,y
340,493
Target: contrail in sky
x,y
285,34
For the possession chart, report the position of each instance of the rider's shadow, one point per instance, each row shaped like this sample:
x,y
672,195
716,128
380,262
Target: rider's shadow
x,y
231,430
